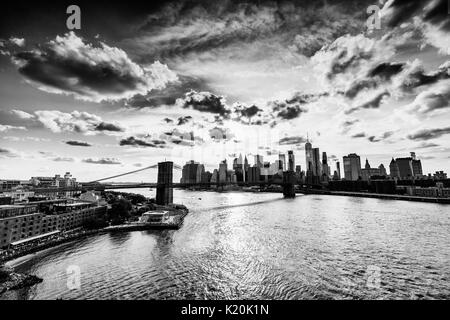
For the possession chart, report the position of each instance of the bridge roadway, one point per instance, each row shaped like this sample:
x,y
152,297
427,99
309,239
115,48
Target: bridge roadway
x,y
113,186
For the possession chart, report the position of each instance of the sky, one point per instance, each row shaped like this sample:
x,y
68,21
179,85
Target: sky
x,y
141,83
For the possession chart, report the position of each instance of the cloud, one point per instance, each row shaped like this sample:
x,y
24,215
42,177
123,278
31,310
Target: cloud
x,y
168,120
76,121
373,103
68,65
132,141
428,134
292,140
104,126
183,120
425,145
430,16
384,136
359,135
63,159
102,161
204,102
78,143
5,128
20,42
6,153
220,134
433,99
182,138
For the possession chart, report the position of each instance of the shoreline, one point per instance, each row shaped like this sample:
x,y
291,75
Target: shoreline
x,y
87,233
378,196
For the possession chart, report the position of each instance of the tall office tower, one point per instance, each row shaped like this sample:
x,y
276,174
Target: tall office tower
x,y
259,161
223,169
215,176
317,165
352,167
164,193
338,170
246,165
417,166
291,161
254,174
282,158
325,166
382,170
405,168
393,169
192,172
309,158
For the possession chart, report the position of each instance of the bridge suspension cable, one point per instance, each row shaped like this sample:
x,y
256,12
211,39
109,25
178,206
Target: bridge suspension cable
x,y
131,172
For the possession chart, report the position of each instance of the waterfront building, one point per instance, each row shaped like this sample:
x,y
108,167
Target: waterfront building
x,y
338,170
6,185
22,223
282,158
325,166
254,174
192,172
308,158
259,161
440,175
382,169
405,168
164,191
393,169
291,161
352,167
368,172
215,176
317,165
417,166
223,169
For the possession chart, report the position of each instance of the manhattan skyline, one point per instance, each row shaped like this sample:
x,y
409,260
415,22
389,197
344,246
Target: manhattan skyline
x,y
200,81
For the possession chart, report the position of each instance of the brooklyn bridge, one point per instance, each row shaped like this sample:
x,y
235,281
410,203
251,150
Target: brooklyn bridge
x,y
165,185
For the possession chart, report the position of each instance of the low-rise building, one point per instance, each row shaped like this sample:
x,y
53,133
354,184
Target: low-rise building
x,y
22,222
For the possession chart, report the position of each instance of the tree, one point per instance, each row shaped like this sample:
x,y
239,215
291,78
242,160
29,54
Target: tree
x,y
120,211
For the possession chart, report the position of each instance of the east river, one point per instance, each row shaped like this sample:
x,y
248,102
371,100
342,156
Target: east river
x,y
260,246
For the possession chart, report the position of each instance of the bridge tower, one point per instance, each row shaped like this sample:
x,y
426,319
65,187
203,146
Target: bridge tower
x,y
289,184
164,190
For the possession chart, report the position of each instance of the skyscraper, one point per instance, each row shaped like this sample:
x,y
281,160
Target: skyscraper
x,y
282,158
308,157
393,169
291,161
405,168
338,170
352,167
325,166
417,166
317,165
259,162
164,192
223,169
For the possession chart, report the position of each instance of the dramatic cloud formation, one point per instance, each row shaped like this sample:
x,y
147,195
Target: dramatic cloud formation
x,y
428,134
80,122
292,140
68,65
63,159
7,153
78,143
204,102
4,128
183,120
132,141
102,161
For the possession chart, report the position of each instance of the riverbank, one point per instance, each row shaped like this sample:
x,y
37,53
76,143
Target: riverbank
x,y
377,195
175,223
10,280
